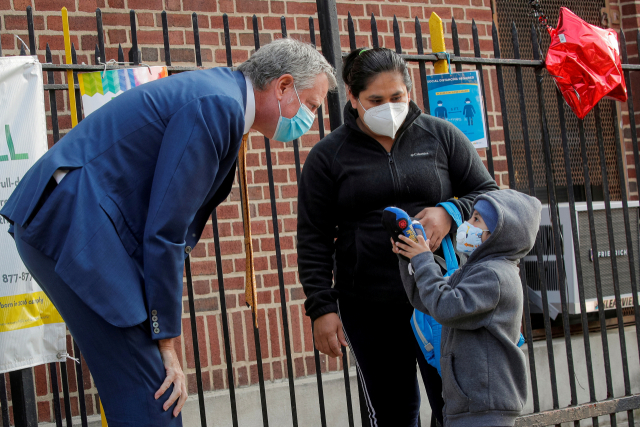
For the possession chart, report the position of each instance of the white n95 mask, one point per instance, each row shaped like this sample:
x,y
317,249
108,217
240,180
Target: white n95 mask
x,y
387,118
468,238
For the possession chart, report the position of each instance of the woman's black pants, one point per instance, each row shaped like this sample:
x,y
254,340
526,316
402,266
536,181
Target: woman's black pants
x,y
386,352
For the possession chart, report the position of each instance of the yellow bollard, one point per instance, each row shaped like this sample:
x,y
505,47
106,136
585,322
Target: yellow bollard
x,y
436,30
70,82
102,417
73,110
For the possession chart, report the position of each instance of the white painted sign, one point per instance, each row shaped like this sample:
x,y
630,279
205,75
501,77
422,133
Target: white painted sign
x,y
31,330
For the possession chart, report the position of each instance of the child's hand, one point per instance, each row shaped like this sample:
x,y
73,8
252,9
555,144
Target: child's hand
x,y
394,248
410,248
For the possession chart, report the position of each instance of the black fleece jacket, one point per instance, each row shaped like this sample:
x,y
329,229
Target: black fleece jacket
x,y
347,181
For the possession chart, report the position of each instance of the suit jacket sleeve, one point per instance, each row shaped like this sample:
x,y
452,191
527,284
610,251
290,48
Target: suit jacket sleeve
x,y
196,140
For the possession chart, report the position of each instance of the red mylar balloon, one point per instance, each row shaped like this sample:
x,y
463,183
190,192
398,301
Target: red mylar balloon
x,y
585,62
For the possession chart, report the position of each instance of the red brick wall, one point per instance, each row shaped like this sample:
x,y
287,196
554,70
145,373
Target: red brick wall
x,y
116,30
628,14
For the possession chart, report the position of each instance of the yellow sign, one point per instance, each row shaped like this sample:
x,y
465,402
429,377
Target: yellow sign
x,y
453,92
26,311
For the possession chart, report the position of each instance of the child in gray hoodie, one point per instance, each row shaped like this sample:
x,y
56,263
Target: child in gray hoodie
x,y
484,379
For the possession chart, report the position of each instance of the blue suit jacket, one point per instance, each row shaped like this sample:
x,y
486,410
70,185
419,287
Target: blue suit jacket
x,y
147,170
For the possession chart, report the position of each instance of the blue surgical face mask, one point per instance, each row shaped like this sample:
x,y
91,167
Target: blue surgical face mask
x,y
468,238
289,129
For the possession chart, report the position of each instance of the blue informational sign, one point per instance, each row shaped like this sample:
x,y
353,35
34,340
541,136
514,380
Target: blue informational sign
x,y
456,97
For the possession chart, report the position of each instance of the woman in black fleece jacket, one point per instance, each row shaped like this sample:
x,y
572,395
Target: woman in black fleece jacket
x,y
375,160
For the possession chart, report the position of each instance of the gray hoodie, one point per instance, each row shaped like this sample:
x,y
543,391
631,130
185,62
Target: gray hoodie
x,y
484,380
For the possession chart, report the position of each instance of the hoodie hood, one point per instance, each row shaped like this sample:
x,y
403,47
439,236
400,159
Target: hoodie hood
x,y
516,229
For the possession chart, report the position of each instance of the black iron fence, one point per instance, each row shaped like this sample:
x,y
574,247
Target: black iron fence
x,y
552,148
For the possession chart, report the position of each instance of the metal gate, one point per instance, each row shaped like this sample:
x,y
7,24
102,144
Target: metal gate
x,y
540,154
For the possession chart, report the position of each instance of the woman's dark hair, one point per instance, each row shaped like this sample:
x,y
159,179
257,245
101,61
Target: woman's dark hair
x,y
362,65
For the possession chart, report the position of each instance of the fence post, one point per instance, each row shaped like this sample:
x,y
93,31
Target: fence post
x,y
23,396
330,40
436,31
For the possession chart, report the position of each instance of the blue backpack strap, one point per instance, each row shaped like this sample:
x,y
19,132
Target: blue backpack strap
x,y
449,255
453,211
436,338
427,337
447,244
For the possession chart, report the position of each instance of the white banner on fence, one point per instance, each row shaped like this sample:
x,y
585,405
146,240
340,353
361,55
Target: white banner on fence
x,y
31,330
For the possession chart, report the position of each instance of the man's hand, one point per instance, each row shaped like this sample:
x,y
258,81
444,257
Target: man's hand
x,y
410,248
437,224
328,335
175,376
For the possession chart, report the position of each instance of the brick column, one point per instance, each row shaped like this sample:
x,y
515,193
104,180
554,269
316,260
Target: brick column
x,y
624,15
630,19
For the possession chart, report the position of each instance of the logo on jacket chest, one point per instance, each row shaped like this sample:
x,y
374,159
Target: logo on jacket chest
x,y
422,154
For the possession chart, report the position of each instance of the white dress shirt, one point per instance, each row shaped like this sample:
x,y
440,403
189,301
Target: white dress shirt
x,y
250,110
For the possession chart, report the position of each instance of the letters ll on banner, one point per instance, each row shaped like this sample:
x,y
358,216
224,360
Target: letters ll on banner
x,y
31,330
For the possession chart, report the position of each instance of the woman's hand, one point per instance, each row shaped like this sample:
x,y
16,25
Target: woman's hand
x,y
175,376
437,224
328,335
410,248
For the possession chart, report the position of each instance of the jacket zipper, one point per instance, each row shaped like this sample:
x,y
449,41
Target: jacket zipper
x,y
394,178
392,166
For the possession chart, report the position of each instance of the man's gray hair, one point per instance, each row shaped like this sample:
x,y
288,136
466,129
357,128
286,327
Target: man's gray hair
x,y
287,56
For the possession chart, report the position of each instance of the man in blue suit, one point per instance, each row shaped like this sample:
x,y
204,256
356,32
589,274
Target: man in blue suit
x,y
105,219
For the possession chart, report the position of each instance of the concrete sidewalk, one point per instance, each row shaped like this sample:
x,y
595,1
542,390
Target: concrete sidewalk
x,y
250,412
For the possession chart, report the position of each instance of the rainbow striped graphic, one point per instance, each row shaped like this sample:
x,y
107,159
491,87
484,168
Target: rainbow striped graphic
x,y
97,88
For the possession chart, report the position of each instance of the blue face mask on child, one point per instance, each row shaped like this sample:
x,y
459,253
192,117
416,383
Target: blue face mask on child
x,y
289,129
468,238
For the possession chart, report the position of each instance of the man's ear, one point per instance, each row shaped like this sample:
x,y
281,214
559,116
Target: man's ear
x,y
283,83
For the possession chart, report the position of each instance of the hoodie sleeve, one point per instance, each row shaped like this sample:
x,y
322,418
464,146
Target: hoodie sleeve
x,y
409,283
316,230
469,305
467,173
